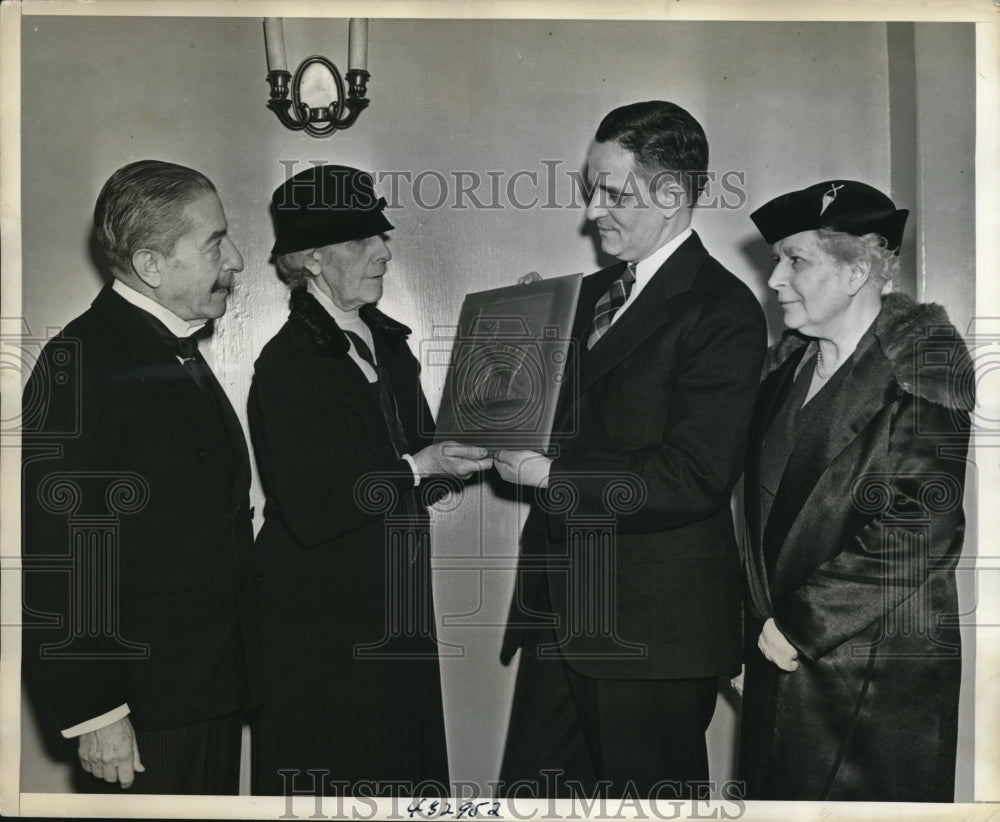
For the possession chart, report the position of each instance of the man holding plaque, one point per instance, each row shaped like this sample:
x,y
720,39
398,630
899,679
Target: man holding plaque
x,y
628,598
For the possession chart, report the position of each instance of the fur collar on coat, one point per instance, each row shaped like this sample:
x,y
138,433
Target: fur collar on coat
x,y
900,327
329,338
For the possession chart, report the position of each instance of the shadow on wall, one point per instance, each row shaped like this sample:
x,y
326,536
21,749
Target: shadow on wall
x,y
59,753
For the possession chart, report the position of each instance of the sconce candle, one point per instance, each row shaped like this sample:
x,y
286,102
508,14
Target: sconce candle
x,y
357,44
347,101
274,43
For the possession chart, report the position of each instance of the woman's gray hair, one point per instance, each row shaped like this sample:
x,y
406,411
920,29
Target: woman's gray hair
x,y
870,248
291,267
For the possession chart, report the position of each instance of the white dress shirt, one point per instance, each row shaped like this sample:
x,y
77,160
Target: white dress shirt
x,y
175,325
645,269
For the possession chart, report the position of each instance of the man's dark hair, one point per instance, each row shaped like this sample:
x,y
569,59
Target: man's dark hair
x,y
141,206
663,137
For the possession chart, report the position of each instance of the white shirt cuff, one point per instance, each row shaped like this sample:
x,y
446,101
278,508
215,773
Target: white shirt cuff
x,y
97,722
413,467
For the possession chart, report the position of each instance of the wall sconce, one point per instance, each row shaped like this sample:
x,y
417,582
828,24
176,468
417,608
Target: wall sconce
x,y
318,73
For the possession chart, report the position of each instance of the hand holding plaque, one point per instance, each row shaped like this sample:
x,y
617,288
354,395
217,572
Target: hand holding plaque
x,y
523,468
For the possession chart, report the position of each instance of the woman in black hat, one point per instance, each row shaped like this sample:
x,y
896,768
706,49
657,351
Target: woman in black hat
x,y
854,485
342,437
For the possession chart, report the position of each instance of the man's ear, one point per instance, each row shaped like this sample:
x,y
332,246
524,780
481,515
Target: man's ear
x,y
668,194
860,274
146,265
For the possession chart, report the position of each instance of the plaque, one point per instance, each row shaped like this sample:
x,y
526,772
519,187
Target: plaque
x,y
508,364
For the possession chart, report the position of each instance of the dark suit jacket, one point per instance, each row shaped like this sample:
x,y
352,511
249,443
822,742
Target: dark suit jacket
x,y
653,431
125,454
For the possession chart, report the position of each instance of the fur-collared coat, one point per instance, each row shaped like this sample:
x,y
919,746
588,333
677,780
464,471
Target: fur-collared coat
x,y
351,681
862,538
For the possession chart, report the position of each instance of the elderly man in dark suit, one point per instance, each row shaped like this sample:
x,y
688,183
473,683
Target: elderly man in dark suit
x,y
622,641
136,480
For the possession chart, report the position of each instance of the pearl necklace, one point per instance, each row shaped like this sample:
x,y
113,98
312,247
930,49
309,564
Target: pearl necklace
x,y
819,364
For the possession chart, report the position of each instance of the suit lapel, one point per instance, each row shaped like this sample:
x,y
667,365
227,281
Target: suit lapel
x,y
646,315
148,361
591,291
818,446
231,423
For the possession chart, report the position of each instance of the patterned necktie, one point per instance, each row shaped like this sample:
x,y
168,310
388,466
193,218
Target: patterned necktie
x,y
386,398
613,299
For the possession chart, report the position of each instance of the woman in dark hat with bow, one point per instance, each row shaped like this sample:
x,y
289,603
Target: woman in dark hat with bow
x,y
854,485
342,437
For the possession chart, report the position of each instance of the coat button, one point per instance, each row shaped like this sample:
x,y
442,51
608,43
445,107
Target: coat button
x,y
260,580
253,512
202,453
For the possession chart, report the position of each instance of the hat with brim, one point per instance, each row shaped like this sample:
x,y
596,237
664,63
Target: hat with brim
x,y
324,205
839,205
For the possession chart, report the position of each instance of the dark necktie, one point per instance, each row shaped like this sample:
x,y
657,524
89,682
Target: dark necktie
x,y
186,350
386,398
612,300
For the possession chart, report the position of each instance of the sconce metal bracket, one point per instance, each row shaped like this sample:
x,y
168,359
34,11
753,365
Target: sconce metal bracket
x,y
324,121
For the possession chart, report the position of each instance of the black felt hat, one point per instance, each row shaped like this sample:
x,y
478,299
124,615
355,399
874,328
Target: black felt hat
x,y
840,205
324,205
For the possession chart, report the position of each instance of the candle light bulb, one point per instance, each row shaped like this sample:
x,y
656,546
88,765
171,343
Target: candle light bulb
x,y
357,44
274,43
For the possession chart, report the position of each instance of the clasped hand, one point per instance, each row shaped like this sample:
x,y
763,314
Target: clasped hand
x,y
452,458
776,648
523,467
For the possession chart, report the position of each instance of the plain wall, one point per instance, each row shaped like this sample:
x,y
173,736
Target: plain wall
x,y
785,104
945,241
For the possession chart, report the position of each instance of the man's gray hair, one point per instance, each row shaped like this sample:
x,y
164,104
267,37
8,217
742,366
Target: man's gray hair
x,y
142,206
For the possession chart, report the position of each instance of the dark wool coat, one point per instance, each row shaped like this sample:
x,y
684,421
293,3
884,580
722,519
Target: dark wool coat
x,y
351,681
131,469
865,530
